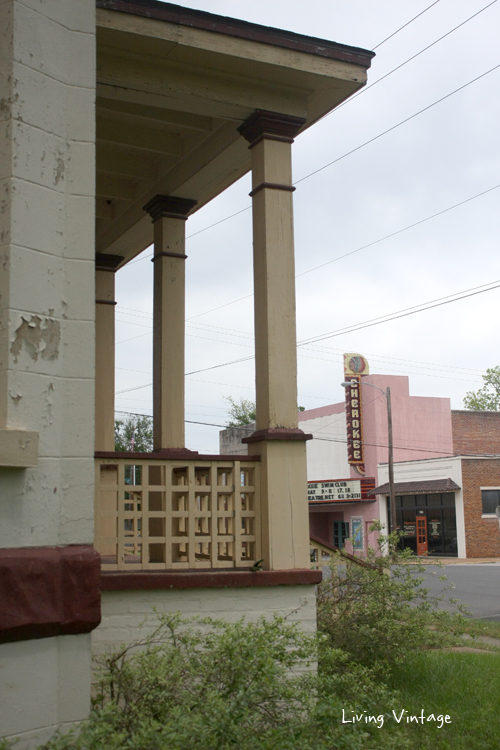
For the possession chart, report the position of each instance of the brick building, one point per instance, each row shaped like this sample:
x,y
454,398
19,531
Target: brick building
x,y
475,473
475,432
481,489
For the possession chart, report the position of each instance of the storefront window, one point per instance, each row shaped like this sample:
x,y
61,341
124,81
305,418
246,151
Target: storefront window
x,y
440,530
490,500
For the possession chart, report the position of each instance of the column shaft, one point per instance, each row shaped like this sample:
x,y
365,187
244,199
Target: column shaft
x,y
278,441
168,333
274,281
105,360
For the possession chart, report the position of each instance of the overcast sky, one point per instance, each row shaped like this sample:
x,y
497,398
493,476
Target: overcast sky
x,y
440,158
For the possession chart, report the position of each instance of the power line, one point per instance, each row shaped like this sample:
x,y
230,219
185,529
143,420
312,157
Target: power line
x,y
362,247
234,332
362,91
442,453
368,324
362,145
406,24
351,252
404,313
413,57
402,122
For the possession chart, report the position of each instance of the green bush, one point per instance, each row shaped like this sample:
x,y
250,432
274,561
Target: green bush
x,y
381,611
218,686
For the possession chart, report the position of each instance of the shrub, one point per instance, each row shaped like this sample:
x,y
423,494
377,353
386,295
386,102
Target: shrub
x,y
218,686
381,611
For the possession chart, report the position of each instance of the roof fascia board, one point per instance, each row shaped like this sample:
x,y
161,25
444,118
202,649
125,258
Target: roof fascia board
x,y
180,16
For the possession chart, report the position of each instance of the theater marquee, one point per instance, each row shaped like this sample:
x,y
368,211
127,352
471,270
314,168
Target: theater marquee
x,y
341,490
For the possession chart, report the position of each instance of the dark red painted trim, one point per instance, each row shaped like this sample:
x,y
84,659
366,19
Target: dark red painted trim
x,y
265,124
174,454
49,591
203,579
242,29
169,206
277,433
168,255
107,262
272,186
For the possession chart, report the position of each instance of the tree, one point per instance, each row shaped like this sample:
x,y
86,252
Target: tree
x,y
242,412
486,398
138,429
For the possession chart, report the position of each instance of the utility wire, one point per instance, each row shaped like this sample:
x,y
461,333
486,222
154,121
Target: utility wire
x,y
362,91
362,145
335,161
367,324
362,247
405,25
402,122
401,65
237,333
442,453
403,313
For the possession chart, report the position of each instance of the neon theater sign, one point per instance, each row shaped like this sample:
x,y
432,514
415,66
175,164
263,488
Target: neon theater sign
x,y
354,366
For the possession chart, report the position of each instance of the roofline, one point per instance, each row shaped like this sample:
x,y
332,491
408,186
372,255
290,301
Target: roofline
x,y
475,411
243,29
460,456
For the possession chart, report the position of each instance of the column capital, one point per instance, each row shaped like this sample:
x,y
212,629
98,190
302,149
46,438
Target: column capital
x,y
271,125
169,206
106,262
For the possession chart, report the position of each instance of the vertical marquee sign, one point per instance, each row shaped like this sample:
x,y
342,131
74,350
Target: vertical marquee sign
x,y
354,366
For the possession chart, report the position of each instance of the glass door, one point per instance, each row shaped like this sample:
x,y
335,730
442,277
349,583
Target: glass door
x,y
421,535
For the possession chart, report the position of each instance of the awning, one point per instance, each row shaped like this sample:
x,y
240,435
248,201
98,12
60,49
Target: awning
x,y
425,487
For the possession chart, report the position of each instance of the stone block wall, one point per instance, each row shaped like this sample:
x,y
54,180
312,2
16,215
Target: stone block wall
x,y
47,307
128,616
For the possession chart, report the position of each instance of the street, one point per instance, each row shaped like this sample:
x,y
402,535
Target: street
x,y
476,585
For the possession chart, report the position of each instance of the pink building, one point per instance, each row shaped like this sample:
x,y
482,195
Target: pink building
x,y
422,429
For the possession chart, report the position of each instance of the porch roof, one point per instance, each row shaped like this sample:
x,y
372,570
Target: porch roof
x,y
174,84
424,487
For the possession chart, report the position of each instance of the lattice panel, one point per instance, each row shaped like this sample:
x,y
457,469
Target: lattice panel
x,y
174,515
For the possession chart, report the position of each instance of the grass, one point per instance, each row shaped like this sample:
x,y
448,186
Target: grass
x,y
490,628
466,686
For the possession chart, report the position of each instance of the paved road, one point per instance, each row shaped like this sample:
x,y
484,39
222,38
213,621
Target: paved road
x,y
477,586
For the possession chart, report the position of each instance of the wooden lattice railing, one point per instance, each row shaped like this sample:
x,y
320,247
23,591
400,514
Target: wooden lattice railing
x,y
322,553
169,514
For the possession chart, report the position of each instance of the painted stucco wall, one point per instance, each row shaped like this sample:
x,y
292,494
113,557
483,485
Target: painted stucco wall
x,y
44,685
326,453
440,468
47,176
421,429
128,615
421,425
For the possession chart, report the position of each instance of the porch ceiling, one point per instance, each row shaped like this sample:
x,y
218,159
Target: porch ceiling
x,y
173,85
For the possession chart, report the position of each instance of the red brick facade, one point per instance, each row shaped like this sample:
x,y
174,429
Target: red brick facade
x,y
475,432
482,535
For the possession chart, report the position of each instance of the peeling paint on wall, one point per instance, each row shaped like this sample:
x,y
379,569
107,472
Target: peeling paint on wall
x,y
40,337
